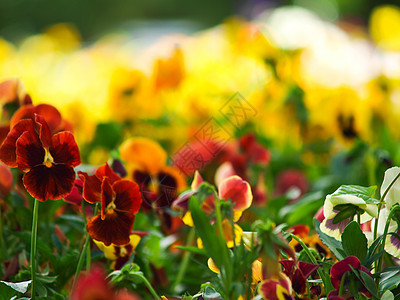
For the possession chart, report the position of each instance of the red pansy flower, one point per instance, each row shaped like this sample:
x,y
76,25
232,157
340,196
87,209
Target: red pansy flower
x,y
342,267
47,160
298,272
120,200
95,286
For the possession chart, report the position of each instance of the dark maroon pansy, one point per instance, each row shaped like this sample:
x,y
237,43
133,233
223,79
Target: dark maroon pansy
x,y
120,200
298,273
347,265
47,160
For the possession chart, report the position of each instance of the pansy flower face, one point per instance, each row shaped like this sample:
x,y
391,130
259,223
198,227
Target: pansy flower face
x,y
47,160
298,273
146,162
335,229
232,188
276,288
120,200
346,266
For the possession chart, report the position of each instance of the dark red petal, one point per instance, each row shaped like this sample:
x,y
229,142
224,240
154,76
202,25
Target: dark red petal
x,y
115,228
44,131
306,268
342,267
299,282
107,196
8,149
128,197
289,266
91,187
52,183
105,170
64,149
30,152
50,114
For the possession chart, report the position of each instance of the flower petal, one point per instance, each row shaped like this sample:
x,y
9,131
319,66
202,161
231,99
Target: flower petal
x,y
51,115
128,197
143,153
224,171
342,267
276,288
30,152
107,196
105,170
91,187
197,180
8,149
238,190
64,149
44,131
391,195
114,229
49,183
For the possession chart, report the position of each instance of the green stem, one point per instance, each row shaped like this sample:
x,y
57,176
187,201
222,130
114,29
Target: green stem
x,y
341,287
185,260
148,285
380,204
225,271
83,252
33,247
358,217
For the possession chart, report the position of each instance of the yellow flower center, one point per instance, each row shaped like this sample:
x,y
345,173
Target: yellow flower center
x,y
110,208
48,159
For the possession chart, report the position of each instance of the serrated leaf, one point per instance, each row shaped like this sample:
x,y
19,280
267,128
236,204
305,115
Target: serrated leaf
x,y
334,245
354,241
365,193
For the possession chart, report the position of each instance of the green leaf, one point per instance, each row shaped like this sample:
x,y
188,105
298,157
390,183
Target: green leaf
x,y
211,293
371,255
215,249
346,211
334,245
365,193
10,289
369,283
354,241
388,295
390,278
192,249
